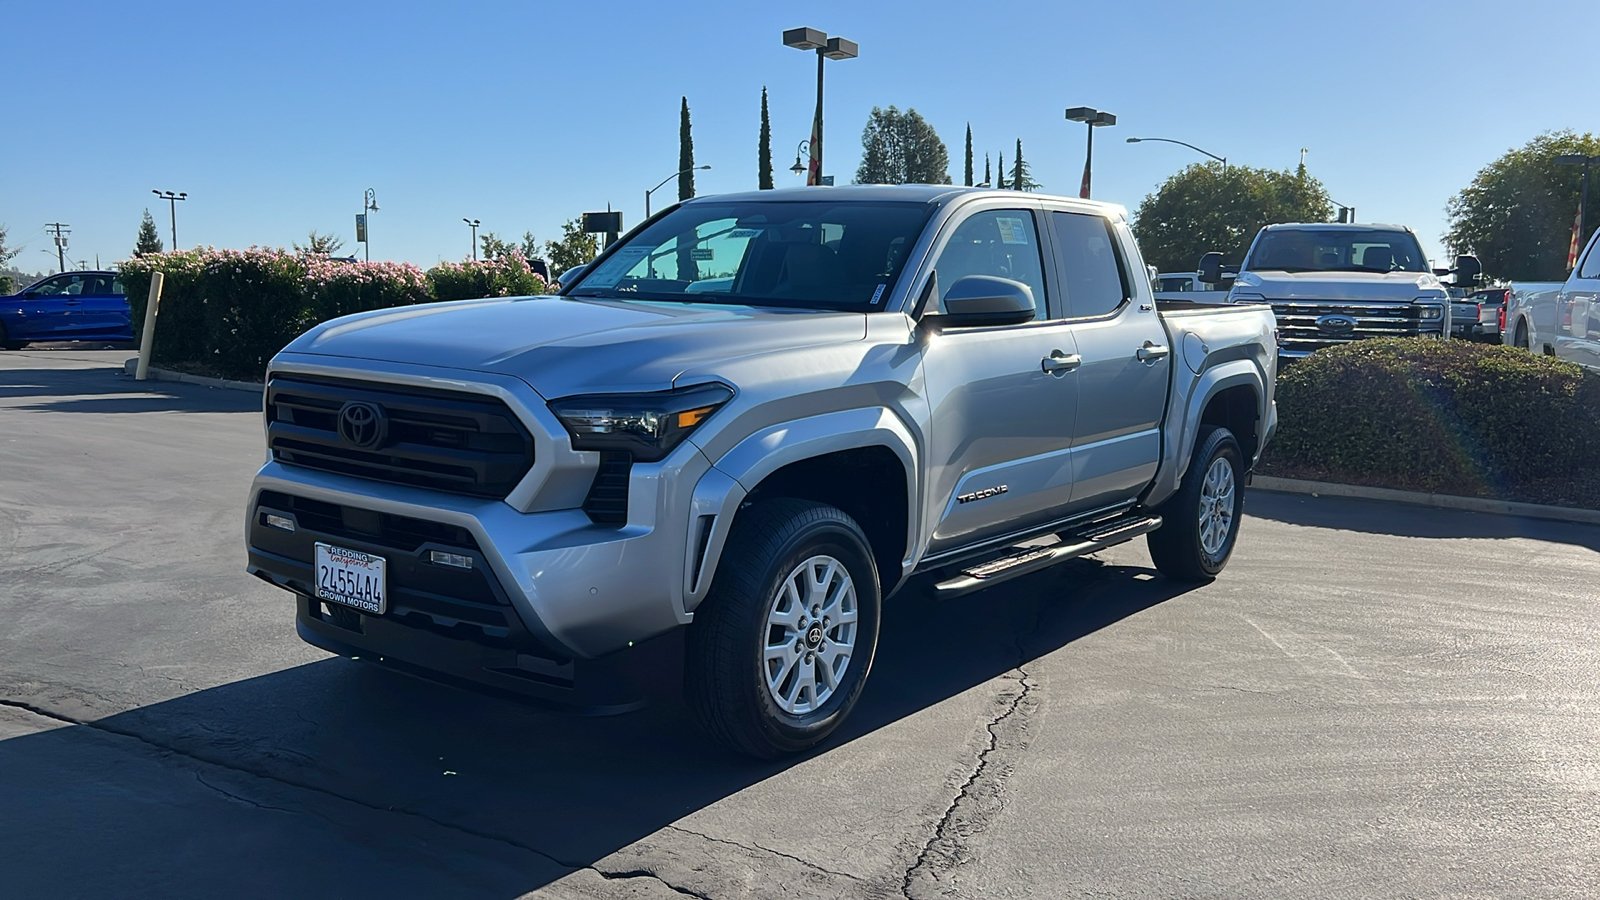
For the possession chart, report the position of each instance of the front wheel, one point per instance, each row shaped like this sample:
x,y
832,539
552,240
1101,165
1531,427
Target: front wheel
x,y
1200,523
780,648
6,343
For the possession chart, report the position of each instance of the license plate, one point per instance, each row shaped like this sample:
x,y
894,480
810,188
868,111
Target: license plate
x,y
352,578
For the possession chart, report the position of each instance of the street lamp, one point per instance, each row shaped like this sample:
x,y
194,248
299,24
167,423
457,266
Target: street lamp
x,y
1094,118
827,48
369,204
1221,159
1579,159
172,202
664,183
474,223
799,167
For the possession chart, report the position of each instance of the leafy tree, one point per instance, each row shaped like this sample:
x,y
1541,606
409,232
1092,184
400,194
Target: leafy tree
x,y
6,252
495,247
685,155
574,249
968,181
1516,216
901,148
1204,208
316,244
1021,180
149,240
764,148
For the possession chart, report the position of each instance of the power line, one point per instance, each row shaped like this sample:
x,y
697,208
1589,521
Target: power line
x,y
61,232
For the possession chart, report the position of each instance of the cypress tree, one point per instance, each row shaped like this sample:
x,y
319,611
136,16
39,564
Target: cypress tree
x,y
685,155
987,178
1017,170
969,154
1000,173
764,168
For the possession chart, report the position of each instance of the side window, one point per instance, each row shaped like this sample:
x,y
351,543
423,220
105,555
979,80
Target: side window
x,y
998,242
52,287
119,290
1591,262
1091,274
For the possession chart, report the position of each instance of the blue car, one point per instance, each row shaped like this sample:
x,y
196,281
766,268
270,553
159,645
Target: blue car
x,y
72,306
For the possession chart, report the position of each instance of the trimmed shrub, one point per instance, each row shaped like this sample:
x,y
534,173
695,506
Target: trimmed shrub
x,y
1447,416
227,312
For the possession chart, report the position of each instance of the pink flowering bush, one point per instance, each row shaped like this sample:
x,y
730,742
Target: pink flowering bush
x,y
504,276
227,312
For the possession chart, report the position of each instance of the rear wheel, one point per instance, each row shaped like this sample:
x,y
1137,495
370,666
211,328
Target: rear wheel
x,y
6,343
781,646
1523,340
1200,523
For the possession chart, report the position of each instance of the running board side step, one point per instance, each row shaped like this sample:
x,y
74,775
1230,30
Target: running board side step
x,y
1025,560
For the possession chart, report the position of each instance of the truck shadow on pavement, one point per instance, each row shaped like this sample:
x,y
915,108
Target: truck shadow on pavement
x,y
1405,520
336,778
109,391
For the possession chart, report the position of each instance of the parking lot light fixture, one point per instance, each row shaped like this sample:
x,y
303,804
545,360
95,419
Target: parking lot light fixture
x,y
1221,159
1094,118
369,204
474,223
172,203
827,48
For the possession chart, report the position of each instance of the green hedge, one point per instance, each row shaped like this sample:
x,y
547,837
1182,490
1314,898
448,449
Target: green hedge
x,y
227,312
1449,416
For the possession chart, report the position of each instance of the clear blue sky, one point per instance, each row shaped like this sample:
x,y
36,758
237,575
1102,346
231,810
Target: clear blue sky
x,y
275,117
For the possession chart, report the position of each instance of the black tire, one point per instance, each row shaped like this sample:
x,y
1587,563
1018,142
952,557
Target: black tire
x,y
1177,546
1522,337
6,343
727,653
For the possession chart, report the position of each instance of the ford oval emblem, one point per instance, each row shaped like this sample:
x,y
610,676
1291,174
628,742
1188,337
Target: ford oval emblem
x,y
363,425
1337,324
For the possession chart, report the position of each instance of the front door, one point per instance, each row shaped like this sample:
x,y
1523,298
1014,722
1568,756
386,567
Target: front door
x,y
1002,399
1123,379
45,309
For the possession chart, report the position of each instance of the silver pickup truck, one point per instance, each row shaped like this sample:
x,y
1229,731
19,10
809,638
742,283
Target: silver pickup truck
x,y
754,417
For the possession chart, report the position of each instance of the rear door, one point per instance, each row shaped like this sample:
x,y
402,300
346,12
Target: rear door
x,y
102,313
1580,309
1126,367
1002,400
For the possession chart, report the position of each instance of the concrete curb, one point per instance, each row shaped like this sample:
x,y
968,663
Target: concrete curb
x,y
1418,498
156,374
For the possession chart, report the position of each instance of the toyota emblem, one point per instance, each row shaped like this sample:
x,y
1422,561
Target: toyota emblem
x,y
363,425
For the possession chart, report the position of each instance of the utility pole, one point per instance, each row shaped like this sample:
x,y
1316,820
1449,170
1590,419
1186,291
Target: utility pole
x,y
172,202
61,231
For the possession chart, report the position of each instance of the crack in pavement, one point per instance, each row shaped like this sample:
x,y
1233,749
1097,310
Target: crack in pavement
x,y
758,848
166,749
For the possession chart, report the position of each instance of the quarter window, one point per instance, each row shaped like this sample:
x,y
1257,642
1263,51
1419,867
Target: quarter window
x,y
1000,242
1591,262
1090,272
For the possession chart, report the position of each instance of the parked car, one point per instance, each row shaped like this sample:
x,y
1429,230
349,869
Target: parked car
x,y
1331,284
72,306
963,384
1578,310
1532,316
1187,286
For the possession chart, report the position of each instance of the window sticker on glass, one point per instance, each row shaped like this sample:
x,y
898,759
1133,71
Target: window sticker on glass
x,y
744,232
700,254
616,267
1013,230
878,294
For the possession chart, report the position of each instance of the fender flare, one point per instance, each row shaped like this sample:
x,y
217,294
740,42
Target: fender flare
x,y
1213,381
735,474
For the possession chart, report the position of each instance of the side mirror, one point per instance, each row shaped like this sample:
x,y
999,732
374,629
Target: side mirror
x,y
984,300
1468,270
1210,268
1153,276
571,276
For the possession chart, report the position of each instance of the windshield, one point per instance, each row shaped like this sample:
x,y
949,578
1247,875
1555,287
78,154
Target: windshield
x,y
1337,250
796,254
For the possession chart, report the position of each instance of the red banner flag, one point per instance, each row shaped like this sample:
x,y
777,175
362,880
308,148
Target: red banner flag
x,y
814,167
1572,248
1083,189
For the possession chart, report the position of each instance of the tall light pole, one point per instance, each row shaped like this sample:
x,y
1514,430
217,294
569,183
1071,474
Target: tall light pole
x,y
1221,159
172,202
1579,159
474,223
663,184
827,48
1094,118
369,204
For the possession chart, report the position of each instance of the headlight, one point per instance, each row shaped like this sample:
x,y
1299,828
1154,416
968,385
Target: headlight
x,y
1246,297
648,426
1430,312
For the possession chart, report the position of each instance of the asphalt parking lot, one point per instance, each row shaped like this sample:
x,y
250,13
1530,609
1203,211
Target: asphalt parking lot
x,y
1373,701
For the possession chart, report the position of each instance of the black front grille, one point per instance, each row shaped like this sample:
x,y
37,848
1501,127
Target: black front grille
x,y
450,441
1298,329
607,503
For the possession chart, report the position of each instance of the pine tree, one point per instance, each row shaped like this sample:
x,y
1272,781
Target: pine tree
x,y
1020,179
969,154
149,240
764,167
1001,173
685,155
901,148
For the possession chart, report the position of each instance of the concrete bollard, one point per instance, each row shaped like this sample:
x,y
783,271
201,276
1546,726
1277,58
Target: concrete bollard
x,y
148,336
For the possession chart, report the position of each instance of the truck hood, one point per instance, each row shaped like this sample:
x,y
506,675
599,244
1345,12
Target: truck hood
x,y
563,345
1399,287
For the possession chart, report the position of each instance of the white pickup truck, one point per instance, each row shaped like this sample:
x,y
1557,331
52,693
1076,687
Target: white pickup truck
x,y
1559,318
754,418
